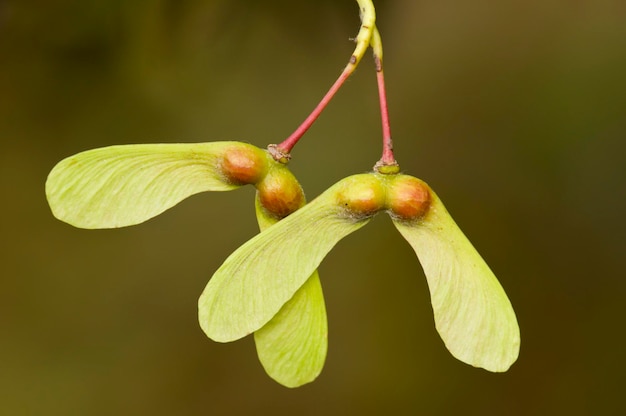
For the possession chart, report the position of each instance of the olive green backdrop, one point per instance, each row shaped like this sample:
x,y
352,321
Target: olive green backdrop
x,y
514,112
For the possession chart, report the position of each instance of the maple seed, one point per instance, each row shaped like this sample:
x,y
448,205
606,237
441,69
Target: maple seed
x,y
244,165
408,198
362,195
280,193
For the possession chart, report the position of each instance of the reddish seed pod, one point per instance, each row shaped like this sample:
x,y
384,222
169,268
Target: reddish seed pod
x,y
408,198
244,164
362,195
280,193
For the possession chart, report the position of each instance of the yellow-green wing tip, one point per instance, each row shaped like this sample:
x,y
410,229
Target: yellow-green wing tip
x,y
292,346
473,314
124,185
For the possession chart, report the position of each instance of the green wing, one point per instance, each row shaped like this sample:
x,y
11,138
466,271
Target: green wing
x,y
292,346
263,274
472,313
125,185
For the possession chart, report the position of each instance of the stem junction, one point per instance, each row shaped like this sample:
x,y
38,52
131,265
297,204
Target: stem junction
x,y
368,36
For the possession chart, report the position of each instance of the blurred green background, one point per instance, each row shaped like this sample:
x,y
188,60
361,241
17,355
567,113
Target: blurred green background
x,y
514,112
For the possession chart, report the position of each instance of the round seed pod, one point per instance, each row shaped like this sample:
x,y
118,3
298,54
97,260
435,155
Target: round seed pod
x,y
361,195
408,198
244,164
279,192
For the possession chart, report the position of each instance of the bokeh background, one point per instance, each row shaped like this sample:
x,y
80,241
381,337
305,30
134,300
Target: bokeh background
x,y
514,112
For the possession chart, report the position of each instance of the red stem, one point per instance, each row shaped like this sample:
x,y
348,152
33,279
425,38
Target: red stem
x,y
291,141
387,158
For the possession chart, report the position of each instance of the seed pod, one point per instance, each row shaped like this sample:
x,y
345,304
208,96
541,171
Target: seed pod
x,y
244,164
472,312
279,192
408,198
119,186
361,195
292,345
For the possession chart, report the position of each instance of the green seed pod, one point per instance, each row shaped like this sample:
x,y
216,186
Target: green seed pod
x,y
292,345
244,164
362,195
408,198
119,186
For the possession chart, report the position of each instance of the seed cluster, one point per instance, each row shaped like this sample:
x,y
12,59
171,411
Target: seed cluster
x,y
279,192
405,197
